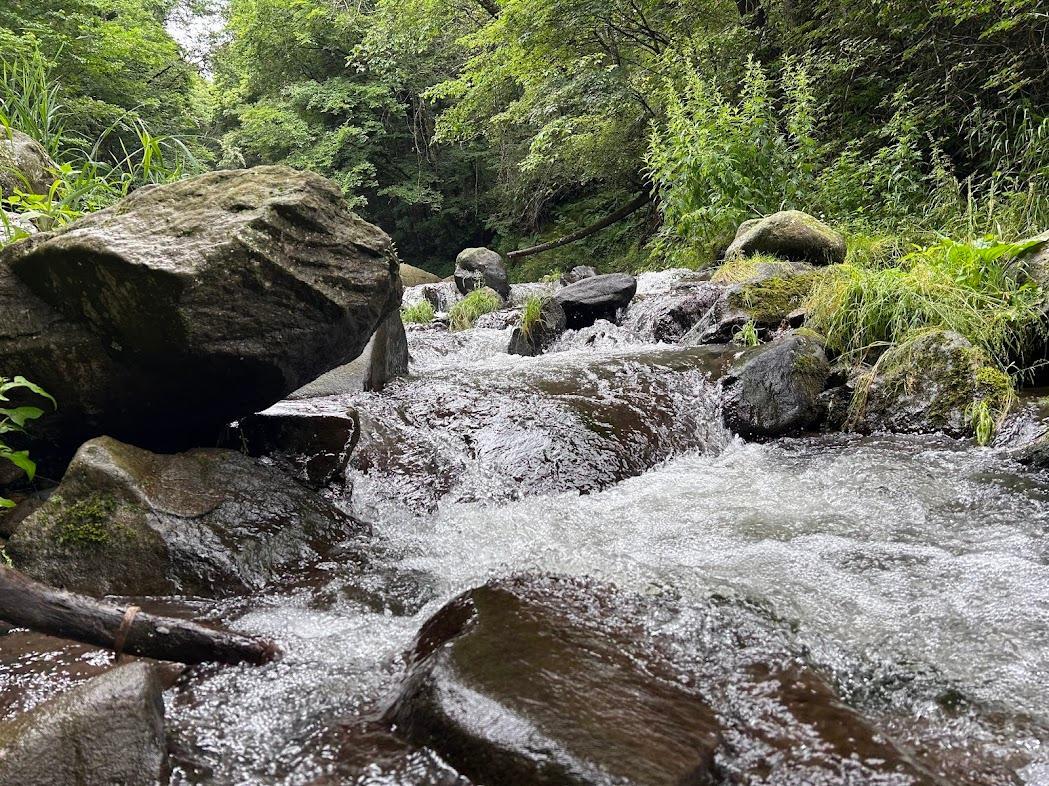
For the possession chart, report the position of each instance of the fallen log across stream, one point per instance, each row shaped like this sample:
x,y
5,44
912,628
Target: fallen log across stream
x,y
25,603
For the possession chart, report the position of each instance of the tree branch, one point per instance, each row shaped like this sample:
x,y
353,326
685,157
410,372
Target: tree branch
x,y
632,206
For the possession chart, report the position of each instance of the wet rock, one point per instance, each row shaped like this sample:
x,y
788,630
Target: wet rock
x,y
412,276
519,293
108,730
1034,262
555,680
599,297
515,682
185,306
208,522
384,358
766,301
577,274
775,389
310,440
669,317
938,382
536,338
789,234
441,296
24,164
481,267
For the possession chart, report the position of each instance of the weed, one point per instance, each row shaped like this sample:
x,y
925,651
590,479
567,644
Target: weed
x,y
420,314
479,302
747,336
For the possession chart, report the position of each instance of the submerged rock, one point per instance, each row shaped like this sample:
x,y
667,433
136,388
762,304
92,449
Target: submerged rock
x,y
185,306
551,680
789,234
936,382
481,267
598,297
108,730
207,522
578,273
773,390
24,164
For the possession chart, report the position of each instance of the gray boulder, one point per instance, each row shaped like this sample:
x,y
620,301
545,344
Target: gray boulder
x,y
937,382
207,522
481,267
24,164
534,339
598,297
774,390
789,234
185,306
578,273
108,730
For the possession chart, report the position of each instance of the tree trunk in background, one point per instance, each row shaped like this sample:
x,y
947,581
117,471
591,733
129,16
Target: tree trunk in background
x,y
28,604
635,204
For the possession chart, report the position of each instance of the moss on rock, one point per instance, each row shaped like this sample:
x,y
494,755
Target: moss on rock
x,y
770,300
84,522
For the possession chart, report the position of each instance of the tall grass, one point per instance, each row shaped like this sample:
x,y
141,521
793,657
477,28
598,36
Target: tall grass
x,y
970,288
29,102
421,313
465,313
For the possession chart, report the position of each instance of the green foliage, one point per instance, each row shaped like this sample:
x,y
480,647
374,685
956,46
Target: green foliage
x,y
531,314
742,269
747,336
478,303
13,420
969,288
420,314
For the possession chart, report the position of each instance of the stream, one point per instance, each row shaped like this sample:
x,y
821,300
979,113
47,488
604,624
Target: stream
x,y
914,570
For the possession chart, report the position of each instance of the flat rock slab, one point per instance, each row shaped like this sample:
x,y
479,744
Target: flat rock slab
x,y
596,297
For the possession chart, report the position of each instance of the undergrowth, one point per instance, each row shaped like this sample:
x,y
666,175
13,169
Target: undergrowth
x,y
421,313
465,313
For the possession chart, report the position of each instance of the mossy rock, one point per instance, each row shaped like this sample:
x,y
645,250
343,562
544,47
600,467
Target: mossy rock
x,y
208,522
935,382
789,234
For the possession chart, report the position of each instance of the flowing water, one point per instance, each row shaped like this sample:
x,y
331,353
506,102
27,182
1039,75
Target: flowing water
x,y
915,570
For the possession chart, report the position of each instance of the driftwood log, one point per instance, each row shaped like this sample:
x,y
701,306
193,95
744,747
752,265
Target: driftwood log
x,y
25,603
632,206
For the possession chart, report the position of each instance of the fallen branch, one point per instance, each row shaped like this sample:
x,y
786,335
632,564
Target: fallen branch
x,y
25,603
633,205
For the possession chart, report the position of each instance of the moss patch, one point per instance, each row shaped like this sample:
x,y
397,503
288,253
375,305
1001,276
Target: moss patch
x,y
771,300
742,269
85,522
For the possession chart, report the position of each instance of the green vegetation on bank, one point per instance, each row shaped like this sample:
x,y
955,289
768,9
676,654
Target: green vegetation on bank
x,y
466,312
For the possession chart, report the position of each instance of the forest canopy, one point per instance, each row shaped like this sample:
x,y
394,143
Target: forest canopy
x,y
453,123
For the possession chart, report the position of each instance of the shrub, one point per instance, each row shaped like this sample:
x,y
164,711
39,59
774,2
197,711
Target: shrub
x,y
479,302
420,314
14,420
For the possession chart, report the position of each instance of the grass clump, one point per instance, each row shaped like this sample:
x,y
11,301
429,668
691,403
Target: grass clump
x,y
421,313
740,270
85,522
968,288
747,336
531,314
465,313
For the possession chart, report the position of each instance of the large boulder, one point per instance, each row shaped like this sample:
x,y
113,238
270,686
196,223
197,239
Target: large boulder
x,y
773,390
24,164
481,267
384,358
937,382
185,306
549,680
597,297
789,234
208,522
535,337
108,730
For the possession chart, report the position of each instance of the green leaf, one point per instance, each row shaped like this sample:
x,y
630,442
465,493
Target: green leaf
x,y
6,503
19,415
20,458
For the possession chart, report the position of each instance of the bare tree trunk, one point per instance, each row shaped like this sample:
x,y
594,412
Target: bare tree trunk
x,y
25,603
491,7
630,207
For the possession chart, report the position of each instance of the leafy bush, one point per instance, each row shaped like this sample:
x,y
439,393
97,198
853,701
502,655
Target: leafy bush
x,y
479,302
14,420
420,314
968,288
